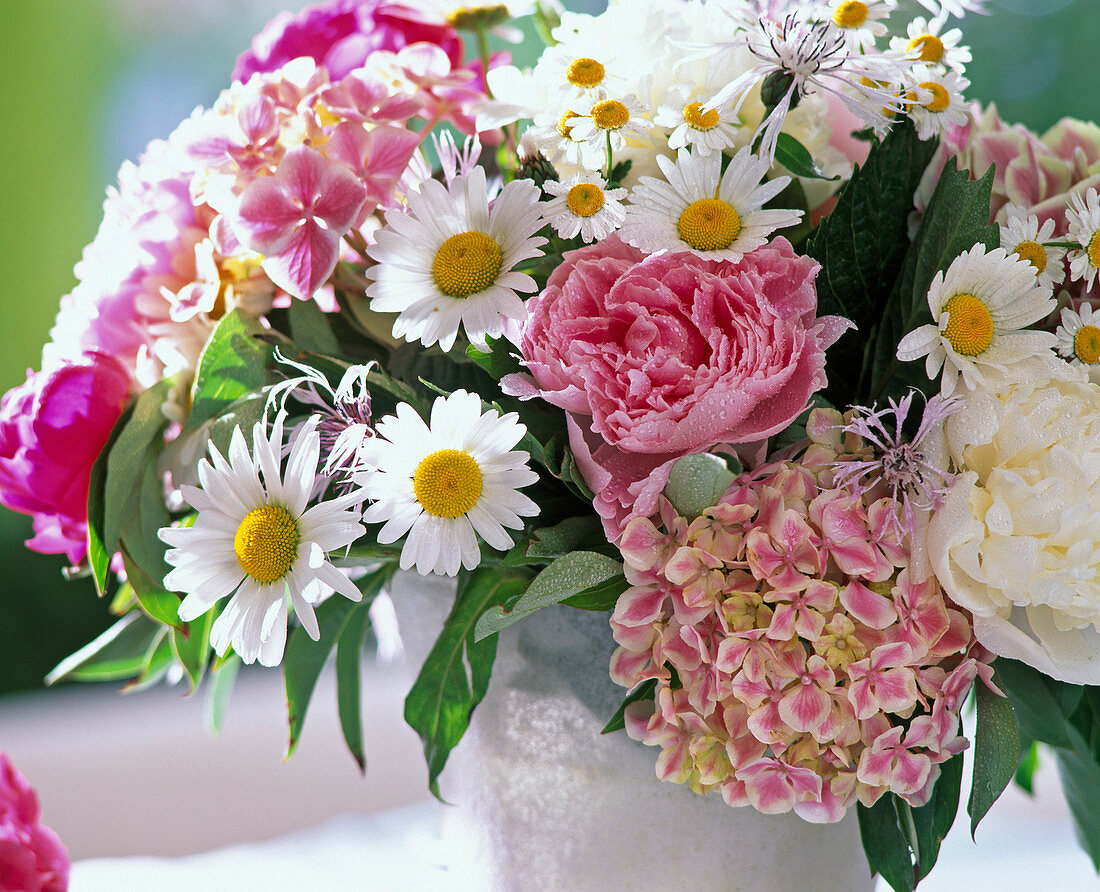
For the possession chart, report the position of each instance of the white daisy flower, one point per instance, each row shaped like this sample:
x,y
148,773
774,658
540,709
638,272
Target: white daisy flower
x,y
579,67
957,8
447,483
862,22
614,120
257,541
1022,235
1083,222
978,308
448,260
480,15
1079,337
687,113
927,42
583,204
713,215
552,133
937,101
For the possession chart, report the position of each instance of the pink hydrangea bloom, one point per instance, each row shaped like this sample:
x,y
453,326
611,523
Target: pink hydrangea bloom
x,y
661,356
52,429
32,858
800,661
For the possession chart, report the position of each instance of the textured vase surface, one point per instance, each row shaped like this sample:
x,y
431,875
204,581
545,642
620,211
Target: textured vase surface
x,y
543,801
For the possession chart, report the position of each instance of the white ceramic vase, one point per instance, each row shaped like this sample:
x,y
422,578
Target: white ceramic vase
x,y
543,801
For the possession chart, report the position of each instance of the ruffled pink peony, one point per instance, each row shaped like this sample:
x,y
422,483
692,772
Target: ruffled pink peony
x,y
658,357
341,34
52,428
32,858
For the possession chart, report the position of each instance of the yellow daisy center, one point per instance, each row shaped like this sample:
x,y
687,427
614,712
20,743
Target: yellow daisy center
x,y
472,18
447,483
969,328
850,14
1093,250
610,114
466,264
563,124
585,73
1033,253
585,199
940,97
1086,344
697,119
929,45
709,224
266,543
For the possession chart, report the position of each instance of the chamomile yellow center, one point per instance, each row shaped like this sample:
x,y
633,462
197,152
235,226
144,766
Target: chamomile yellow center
x,y
697,119
1093,250
447,483
969,328
585,199
709,224
1033,253
473,18
266,543
929,46
940,97
585,73
610,114
1086,344
466,264
564,128
850,14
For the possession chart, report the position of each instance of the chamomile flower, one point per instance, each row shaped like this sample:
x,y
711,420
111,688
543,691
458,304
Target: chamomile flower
x,y
553,134
936,101
257,540
926,42
862,22
1079,337
978,308
694,124
447,482
1083,222
583,204
1023,236
699,209
448,260
611,119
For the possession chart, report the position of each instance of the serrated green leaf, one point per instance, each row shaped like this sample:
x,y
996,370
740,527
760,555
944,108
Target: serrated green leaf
x,y
349,652
644,691
193,648
1042,705
885,845
444,695
120,652
1080,776
797,159
232,365
569,575
996,752
933,820
310,328
697,482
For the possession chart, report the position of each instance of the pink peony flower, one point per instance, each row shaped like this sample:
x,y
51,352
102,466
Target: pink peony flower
x,y
658,357
52,428
32,858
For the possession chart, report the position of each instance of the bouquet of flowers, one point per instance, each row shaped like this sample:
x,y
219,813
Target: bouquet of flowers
x,y
729,318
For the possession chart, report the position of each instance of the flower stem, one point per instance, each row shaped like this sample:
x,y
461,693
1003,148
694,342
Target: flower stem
x,y
483,52
609,165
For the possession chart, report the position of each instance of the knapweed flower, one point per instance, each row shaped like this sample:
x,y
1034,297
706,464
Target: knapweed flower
x,y
800,661
1022,235
1083,227
583,205
447,482
32,858
979,308
448,261
257,539
1017,538
714,215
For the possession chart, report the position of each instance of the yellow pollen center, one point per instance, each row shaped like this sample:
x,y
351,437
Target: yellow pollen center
x,y
447,483
610,114
1033,253
698,119
466,264
563,124
969,328
266,543
929,45
585,199
1086,344
850,14
585,73
709,224
1093,250
940,97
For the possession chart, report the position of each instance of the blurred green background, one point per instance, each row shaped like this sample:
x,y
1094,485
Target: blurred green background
x,y
89,82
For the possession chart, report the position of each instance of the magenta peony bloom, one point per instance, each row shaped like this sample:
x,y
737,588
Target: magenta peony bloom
x,y
52,428
658,357
32,858
341,34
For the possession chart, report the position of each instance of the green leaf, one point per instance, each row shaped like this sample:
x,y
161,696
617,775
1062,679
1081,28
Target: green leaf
x,y
547,543
996,752
158,660
933,819
193,648
885,845
99,557
120,652
154,600
567,576
1042,705
223,677
697,482
444,696
310,328
349,652
499,361
232,365
644,691
600,597
1029,764
1080,776
244,413
139,541
796,158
